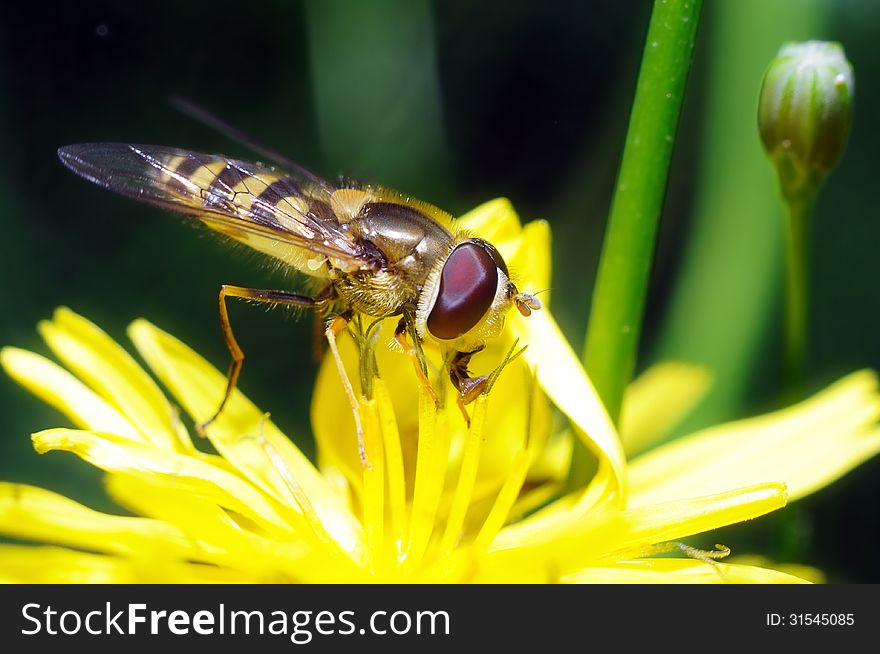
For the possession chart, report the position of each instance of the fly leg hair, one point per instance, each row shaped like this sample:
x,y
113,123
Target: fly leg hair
x,y
257,295
469,388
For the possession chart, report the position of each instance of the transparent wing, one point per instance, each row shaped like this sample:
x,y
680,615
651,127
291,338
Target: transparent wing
x,y
257,205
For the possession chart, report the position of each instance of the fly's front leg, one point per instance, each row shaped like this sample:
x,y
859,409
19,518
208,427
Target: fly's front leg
x,y
416,355
257,295
469,388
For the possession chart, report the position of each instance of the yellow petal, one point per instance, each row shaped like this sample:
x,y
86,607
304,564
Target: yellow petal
x,y
373,482
99,361
554,458
394,461
241,431
54,385
608,533
226,540
495,220
431,467
503,503
555,518
805,572
678,571
658,400
56,565
32,513
115,454
806,447
467,476
636,528
529,258
563,379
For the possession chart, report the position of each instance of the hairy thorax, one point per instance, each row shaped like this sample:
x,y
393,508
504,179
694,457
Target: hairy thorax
x,y
409,243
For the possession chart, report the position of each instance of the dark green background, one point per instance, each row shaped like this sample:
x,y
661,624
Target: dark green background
x,y
455,102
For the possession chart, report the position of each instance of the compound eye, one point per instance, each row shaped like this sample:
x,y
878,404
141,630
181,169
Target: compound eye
x,y
467,288
494,253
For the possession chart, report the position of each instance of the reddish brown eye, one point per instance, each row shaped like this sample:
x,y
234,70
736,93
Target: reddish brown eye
x,y
467,287
492,252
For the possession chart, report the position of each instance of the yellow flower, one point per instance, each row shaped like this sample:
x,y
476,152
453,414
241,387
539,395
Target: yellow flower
x,y
437,501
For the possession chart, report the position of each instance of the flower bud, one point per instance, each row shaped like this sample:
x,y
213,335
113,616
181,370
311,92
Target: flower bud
x,y
804,113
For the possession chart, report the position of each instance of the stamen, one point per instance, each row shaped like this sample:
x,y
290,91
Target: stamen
x,y
504,502
374,484
300,498
516,477
467,476
393,462
430,472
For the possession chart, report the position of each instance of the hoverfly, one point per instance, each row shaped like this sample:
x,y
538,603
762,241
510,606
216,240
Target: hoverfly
x,y
373,251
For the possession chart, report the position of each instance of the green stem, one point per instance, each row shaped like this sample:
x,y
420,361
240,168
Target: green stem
x,y
624,268
796,284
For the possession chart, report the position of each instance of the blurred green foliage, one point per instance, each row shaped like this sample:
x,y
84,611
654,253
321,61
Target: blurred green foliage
x,y
726,304
455,102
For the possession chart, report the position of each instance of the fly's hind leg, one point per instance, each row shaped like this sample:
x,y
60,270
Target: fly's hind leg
x,y
257,295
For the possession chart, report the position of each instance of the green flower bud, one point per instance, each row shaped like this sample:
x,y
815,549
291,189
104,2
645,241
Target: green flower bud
x,y
804,114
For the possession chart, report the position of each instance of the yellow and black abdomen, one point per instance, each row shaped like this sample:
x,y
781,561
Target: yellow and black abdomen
x,y
210,183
